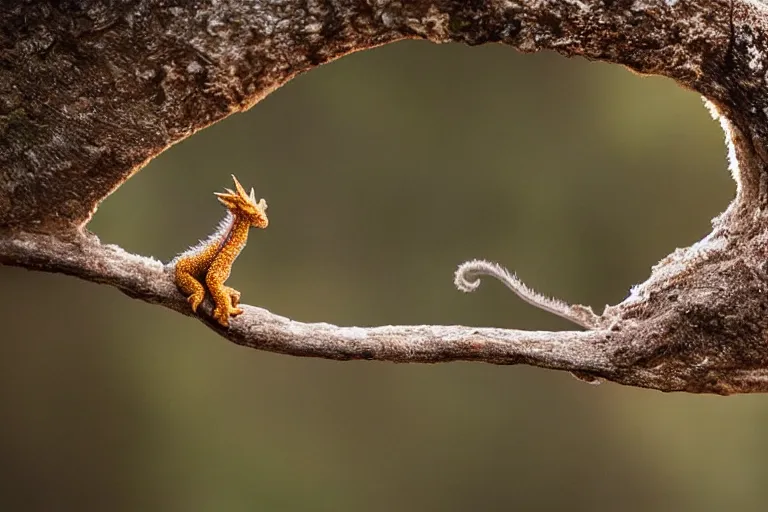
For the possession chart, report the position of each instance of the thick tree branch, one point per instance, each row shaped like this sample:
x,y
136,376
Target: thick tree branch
x,y
91,90
664,353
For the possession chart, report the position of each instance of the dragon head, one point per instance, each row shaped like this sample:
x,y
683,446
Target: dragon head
x,y
244,205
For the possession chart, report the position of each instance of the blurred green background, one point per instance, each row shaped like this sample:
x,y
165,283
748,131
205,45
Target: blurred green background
x,y
384,171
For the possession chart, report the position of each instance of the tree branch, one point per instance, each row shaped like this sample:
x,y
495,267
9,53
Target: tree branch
x,y
149,280
91,93
91,90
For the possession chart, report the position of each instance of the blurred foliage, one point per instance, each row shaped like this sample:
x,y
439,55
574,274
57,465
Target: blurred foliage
x,y
383,171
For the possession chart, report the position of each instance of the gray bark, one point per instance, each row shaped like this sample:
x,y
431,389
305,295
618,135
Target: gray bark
x,y
91,90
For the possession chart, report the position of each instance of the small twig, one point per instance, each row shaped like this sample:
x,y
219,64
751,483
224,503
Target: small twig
x,y
467,279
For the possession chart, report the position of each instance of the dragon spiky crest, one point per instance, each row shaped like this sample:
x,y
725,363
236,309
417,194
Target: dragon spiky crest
x,y
244,205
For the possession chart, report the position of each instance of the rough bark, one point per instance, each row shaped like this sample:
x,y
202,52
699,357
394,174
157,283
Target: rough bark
x,y
91,90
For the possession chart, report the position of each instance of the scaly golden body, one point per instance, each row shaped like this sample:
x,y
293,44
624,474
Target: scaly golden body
x,y
210,262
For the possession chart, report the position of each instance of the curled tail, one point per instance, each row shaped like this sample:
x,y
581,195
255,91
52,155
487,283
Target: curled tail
x,y
467,279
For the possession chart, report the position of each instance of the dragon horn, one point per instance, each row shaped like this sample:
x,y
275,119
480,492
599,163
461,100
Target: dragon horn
x,y
240,190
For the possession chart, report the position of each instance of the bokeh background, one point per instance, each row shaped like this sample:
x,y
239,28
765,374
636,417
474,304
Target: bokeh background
x,y
383,171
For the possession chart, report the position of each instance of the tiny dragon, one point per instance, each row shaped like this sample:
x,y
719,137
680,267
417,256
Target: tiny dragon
x,y
211,260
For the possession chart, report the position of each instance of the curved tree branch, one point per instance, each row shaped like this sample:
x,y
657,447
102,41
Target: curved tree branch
x,y
91,90
149,280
